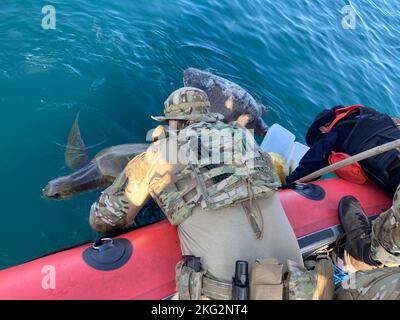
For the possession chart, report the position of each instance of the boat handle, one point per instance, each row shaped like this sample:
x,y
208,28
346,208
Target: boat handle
x,y
103,243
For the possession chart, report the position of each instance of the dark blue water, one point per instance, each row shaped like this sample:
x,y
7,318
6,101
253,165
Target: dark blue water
x,y
116,62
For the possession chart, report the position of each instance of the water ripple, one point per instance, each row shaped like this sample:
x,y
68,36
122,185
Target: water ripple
x,y
117,61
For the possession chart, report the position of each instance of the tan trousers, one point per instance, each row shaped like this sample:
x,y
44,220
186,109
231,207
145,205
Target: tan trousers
x,y
223,236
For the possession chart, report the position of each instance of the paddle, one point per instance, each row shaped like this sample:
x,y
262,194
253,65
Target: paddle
x,y
358,157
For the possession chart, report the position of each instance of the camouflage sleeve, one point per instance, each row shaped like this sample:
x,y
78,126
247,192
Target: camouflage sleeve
x,y
385,239
119,204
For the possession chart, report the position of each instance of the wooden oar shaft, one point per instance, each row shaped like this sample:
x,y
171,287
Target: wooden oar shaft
x,y
358,157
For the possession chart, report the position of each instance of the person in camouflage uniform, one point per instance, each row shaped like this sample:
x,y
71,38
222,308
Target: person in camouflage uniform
x,y
209,222
375,284
225,206
371,256
370,246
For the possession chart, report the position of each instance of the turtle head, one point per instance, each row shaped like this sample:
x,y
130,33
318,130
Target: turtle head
x,y
59,188
259,126
84,179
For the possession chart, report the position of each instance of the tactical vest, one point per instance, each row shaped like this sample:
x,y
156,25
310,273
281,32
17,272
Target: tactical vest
x,y
214,184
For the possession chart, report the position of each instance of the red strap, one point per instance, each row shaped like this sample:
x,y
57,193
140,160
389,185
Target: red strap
x,y
340,114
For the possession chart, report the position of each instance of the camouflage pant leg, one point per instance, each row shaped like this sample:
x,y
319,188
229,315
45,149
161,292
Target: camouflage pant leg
x,y
377,284
385,241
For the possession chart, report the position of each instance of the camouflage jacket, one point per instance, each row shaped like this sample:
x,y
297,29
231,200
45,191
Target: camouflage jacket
x,y
211,165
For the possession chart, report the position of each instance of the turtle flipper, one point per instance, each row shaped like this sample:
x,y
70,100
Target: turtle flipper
x,y
76,152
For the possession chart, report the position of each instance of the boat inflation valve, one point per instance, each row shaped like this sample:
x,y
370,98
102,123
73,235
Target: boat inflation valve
x,y
310,191
108,254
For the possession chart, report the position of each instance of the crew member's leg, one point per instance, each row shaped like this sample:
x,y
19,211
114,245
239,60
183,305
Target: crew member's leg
x,y
370,246
377,284
385,238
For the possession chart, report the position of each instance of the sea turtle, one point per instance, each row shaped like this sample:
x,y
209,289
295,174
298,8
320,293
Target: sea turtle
x,y
229,99
226,97
99,173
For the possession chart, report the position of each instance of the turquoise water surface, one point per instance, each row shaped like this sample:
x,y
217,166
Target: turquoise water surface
x,y
116,62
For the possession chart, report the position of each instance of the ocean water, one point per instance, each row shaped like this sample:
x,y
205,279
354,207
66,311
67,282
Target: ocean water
x,y
116,62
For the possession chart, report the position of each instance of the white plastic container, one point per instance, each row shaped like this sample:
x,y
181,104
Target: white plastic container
x,y
280,140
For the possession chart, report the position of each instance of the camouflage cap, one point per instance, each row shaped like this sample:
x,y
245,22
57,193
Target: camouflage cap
x,y
188,103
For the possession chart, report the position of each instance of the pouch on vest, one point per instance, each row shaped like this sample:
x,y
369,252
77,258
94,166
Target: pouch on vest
x,y
188,282
266,280
170,197
352,172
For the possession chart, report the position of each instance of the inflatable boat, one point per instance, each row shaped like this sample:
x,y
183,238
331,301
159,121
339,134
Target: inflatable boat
x,y
140,264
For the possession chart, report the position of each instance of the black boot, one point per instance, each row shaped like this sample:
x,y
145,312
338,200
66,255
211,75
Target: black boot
x,y
358,235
